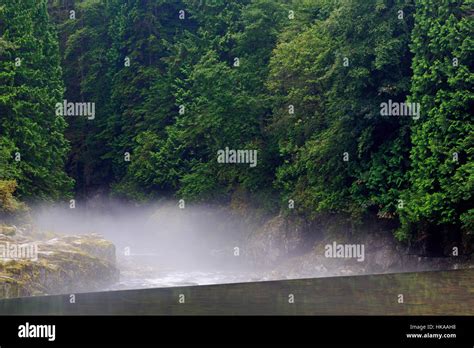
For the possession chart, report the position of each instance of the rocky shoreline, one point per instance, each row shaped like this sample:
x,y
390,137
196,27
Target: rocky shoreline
x,y
293,249
274,248
35,264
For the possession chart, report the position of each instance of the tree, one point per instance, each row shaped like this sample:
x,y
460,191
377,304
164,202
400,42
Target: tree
x,y
30,86
438,203
339,154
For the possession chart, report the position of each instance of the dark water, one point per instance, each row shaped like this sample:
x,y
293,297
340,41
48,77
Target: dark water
x,y
424,293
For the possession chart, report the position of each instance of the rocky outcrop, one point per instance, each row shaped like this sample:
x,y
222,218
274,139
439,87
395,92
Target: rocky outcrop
x,y
8,230
275,240
66,264
297,250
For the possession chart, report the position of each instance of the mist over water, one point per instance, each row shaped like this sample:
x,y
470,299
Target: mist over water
x,y
160,244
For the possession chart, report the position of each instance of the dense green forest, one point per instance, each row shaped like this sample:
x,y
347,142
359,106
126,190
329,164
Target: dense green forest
x,y
357,109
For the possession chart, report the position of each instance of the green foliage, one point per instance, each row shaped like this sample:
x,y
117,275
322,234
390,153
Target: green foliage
x,y
337,110
30,85
223,105
8,203
439,198
229,75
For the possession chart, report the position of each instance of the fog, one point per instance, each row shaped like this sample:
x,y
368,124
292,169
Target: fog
x,y
160,244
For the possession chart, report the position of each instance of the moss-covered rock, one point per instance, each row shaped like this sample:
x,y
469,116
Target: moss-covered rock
x,y
67,264
8,230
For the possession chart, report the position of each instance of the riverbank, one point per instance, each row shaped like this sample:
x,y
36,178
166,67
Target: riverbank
x,y
40,264
298,249
166,246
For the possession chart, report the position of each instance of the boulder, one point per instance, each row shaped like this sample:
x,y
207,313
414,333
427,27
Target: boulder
x,y
67,264
274,241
